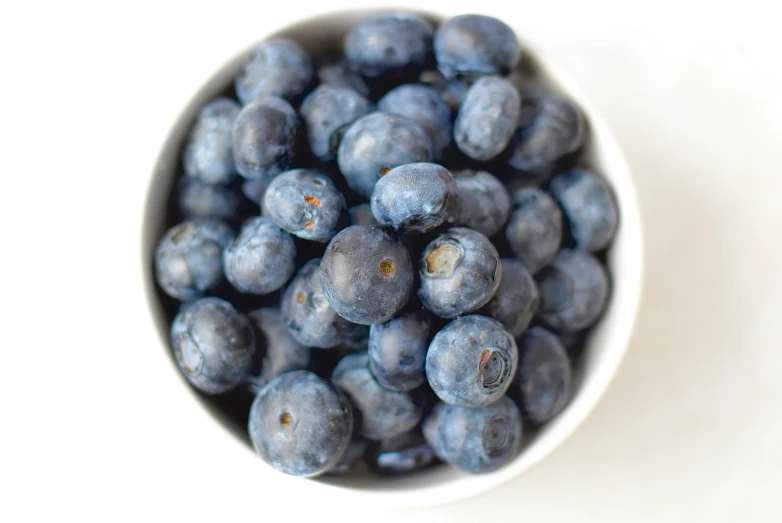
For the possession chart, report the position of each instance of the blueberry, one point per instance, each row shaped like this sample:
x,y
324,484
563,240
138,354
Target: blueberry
x,y
550,127
208,154
189,257
535,228
380,413
254,190
261,259
388,41
201,200
543,382
213,344
397,351
361,214
475,440
469,45
281,351
305,203
589,206
300,424
325,110
487,118
350,458
452,92
264,137
339,75
367,274
573,292
416,197
484,202
308,315
277,67
460,272
471,361
375,144
516,301
402,454
424,105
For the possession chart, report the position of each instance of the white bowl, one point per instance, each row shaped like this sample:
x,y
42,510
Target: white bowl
x,y
599,362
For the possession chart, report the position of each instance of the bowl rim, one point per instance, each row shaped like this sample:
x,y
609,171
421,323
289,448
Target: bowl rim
x,y
449,484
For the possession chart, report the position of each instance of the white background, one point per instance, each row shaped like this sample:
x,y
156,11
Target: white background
x,y
93,427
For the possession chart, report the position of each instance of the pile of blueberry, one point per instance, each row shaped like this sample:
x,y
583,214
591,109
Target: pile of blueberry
x,y
395,253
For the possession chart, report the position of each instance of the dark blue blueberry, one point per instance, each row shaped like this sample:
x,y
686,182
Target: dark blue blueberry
x,y
543,383
338,75
475,440
403,454
201,200
424,105
397,351
484,202
254,190
213,344
375,144
516,301
470,45
264,137
388,41
208,154
350,458
361,214
305,203
460,272
261,259
471,361
278,67
281,351
487,118
550,127
189,258
327,109
367,274
380,413
300,424
308,315
589,206
535,228
415,197
573,292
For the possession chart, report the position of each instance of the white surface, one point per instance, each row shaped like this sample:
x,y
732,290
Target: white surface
x,y
691,428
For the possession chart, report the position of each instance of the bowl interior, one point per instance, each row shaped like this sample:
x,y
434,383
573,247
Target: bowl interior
x,y
597,364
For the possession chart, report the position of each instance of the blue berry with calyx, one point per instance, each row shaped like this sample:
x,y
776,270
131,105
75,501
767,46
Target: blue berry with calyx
x,y
208,153
460,271
300,424
475,440
189,258
589,207
402,454
309,316
367,274
279,67
202,200
534,230
213,345
470,45
487,118
471,362
305,203
397,351
376,143
325,110
264,137
516,300
261,259
423,104
380,413
573,291
484,202
415,198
